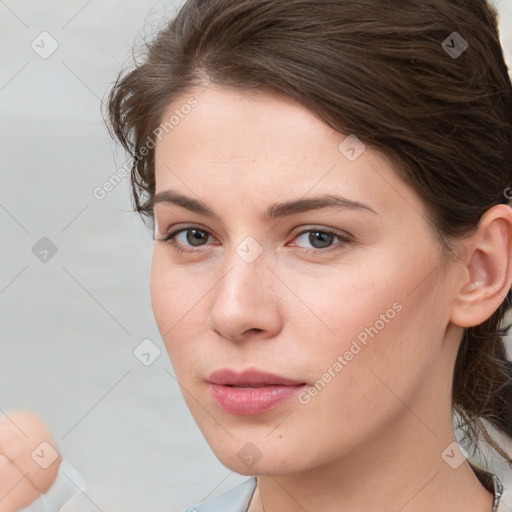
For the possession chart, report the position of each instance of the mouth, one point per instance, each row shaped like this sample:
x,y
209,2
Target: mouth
x,y
249,378
251,392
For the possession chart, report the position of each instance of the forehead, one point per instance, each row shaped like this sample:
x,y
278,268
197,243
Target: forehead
x,y
232,123
267,146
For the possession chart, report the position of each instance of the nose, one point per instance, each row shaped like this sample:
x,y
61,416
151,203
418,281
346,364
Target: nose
x,y
246,303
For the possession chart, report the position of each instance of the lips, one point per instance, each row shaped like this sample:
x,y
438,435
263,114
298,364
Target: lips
x,y
249,378
251,391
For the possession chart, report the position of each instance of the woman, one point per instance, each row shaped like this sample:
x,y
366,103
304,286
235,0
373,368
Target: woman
x,y
328,186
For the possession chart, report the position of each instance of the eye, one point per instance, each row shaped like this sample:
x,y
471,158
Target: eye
x,y
194,236
321,239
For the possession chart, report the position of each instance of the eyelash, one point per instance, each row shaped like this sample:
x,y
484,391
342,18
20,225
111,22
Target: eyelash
x,y
168,239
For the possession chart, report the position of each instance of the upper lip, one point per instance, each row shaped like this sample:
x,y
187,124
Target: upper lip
x,y
249,377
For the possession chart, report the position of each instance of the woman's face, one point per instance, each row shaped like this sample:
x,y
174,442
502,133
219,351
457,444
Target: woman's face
x,y
350,325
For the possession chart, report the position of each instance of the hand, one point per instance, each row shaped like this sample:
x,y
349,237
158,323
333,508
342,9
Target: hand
x,y
26,468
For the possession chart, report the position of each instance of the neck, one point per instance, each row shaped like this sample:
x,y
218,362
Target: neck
x,y
380,480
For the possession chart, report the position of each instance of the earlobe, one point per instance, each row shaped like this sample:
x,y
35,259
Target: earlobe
x,y
487,278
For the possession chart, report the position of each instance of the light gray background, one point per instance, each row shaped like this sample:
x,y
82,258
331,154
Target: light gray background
x,y
70,325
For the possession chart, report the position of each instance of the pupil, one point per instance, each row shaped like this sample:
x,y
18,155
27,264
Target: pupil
x,y
198,236
318,236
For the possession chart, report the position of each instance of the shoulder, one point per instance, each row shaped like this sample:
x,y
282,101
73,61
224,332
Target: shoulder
x,y
234,500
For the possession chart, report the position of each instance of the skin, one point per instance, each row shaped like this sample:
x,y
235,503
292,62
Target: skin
x,y
22,479
372,439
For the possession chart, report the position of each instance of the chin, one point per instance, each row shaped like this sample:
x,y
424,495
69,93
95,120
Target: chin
x,y
258,457
260,468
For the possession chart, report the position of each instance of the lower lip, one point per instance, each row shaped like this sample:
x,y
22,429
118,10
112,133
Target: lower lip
x,y
252,401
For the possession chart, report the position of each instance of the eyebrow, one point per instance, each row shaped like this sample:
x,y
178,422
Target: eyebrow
x,y
274,211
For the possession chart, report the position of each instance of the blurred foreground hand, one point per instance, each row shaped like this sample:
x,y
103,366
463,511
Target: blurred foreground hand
x,y
29,460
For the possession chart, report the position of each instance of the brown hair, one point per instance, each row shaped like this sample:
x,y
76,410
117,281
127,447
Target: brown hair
x,y
424,82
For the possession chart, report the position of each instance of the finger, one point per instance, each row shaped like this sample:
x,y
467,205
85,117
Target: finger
x,y
26,441
16,490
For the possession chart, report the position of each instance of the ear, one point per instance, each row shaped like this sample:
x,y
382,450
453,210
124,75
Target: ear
x,y
487,275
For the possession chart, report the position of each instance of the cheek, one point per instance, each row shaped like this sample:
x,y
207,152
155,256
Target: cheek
x,y
160,291
177,300
172,288
341,304
386,317
389,336
168,296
